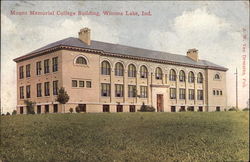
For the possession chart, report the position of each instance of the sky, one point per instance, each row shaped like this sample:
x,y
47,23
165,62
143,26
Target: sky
x,y
218,29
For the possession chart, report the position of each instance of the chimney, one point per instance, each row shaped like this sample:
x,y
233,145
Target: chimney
x,y
193,54
84,35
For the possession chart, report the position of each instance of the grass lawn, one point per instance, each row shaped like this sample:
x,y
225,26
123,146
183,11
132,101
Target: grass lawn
x,y
187,136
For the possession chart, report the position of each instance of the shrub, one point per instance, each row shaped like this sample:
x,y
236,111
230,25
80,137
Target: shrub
x,y
30,106
232,109
146,108
190,109
7,113
245,109
14,112
71,110
77,109
182,110
2,114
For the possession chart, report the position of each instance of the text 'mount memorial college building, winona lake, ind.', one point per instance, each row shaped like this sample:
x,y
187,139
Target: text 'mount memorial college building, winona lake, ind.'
x,y
105,77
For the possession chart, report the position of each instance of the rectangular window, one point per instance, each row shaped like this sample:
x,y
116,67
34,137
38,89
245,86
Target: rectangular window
x,y
173,109
55,108
88,84
105,89
82,107
39,89
81,83
144,91
74,83
28,91
221,93
55,87
200,108
21,72
38,109
217,108
131,91
182,93
199,94
28,70
21,110
38,68
182,108
46,108
46,66
119,108
21,92
105,108
191,94
131,108
214,92
118,90
46,89
55,64
172,93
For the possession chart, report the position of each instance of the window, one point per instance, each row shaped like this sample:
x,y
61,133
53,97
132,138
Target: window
x,y
28,91
38,68
131,91
46,66
21,92
105,91
158,73
55,64
182,76
21,110
81,83
144,91
55,108
182,93
182,108
131,108
190,108
131,70
88,84
191,94
81,60
118,90
200,108
199,78
82,107
55,87
38,109
143,72
74,83
172,75
118,69
172,93
105,68
191,77
119,108
221,93
21,72
46,88
217,92
199,94
46,108
217,76
217,108
28,70
39,89
105,108
214,92
173,109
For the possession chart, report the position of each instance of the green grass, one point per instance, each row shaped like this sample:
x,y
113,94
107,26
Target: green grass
x,y
189,136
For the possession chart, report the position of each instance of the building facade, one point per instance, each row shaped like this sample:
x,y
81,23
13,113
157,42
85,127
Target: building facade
x,y
105,77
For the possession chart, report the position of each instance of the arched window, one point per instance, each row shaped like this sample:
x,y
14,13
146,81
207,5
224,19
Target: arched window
x,y
217,76
191,77
158,73
81,60
182,76
119,69
143,72
131,70
105,68
172,75
199,78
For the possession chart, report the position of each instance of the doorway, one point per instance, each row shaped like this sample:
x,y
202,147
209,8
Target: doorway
x,y
159,102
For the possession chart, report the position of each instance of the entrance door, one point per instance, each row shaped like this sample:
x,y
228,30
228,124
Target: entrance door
x,y
159,102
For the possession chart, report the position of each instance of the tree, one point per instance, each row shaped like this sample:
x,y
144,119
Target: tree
x,y
14,112
71,110
62,97
7,113
77,109
30,106
146,108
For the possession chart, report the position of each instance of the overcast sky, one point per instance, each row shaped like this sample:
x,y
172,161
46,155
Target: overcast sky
x,y
214,28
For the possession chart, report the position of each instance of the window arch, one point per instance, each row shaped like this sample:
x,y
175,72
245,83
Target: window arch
x,y
81,60
143,71
199,78
191,77
105,68
172,75
217,76
158,73
131,70
119,70
182,76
